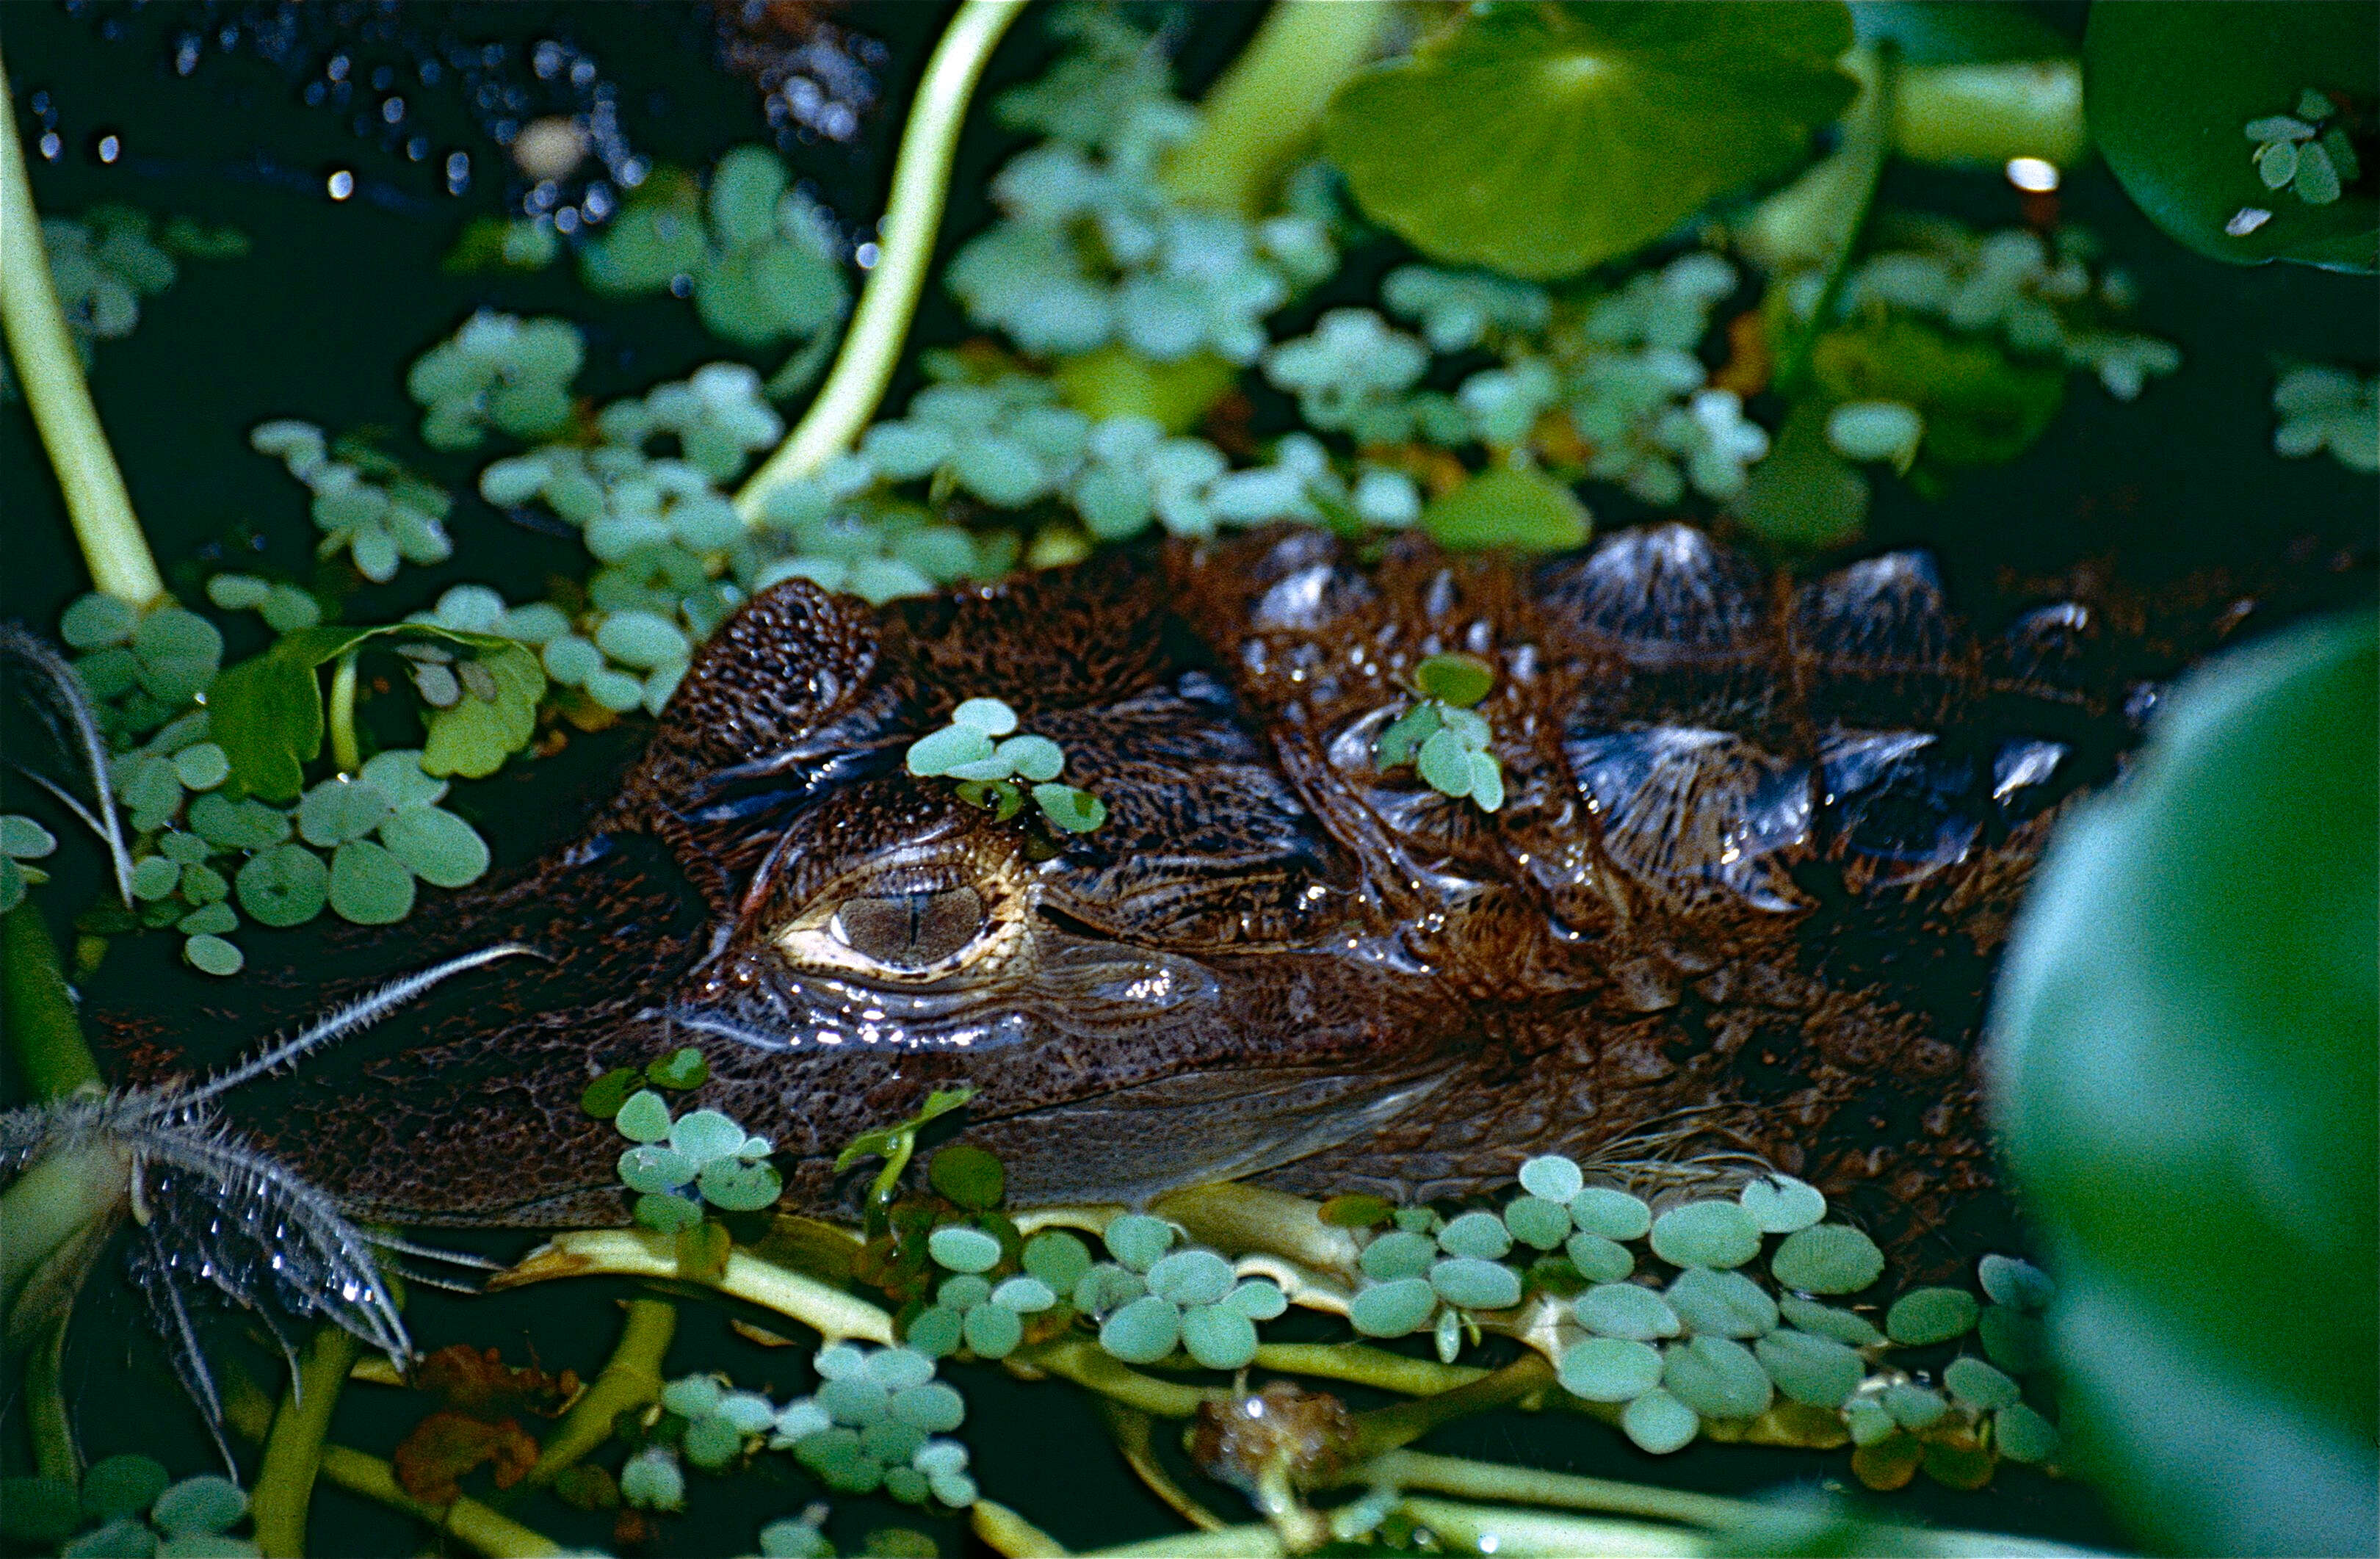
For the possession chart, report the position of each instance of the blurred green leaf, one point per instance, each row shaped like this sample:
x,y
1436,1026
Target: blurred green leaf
x,y
2184,1071
1518,507
1981,405
2169,88
1542,138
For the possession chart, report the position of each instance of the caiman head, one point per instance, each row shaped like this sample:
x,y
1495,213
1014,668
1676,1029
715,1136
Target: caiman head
x,y
1202,987
1759,841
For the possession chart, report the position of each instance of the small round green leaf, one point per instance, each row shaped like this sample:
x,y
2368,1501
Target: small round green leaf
x,y
1659,1423
1472,1283
1599,1260
1978,1385
1625,1310
285,886
1138,1240
1219,1336
440,847
1816,1370
1923,1316
1706,1234
1717,1377
1610,1368
1826,1259
1460,680
1480,1234
1614,1214
1142,1332
1191,1277
1395,1309
205,1503
992,1331
961,1249
1553,1177
369,885
1537,1223
1780,1204
1398,1253
643,1116
1059,1258
1067,808
734,1186
1721,1304
122,1485
211,953
968,1176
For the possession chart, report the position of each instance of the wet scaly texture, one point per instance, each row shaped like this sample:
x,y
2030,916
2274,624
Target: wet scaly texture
x,y
1760,845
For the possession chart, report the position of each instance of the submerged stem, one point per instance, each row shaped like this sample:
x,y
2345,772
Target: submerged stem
x,y
830,1311
51,373
1081,1361
1493,1480
912,215
293,1448
346,751
44,1033
47,1424
1271,100
630,1378
1870,148
1385,1429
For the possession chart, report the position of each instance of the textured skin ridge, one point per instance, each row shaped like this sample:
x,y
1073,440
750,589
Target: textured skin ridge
x,y
1762,841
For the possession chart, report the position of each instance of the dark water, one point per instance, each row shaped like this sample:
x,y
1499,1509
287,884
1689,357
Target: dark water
x,y
320,320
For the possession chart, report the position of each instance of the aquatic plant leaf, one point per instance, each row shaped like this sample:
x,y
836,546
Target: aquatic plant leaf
x,y
2203,933
1614,1214
1925,1315
1058,1258
123,1485
1519,507
1706,1234
430,1461
973,1179
286,885
2170,87
1542,140
963,1248
1625,1310
1610,1368
1659,1423
1395,1309
369,885
1717,1377
1826,1259
1068,809
1142,1332
1721,1304
1598,1258
1816,1370
201,1505
266,712
1219,1336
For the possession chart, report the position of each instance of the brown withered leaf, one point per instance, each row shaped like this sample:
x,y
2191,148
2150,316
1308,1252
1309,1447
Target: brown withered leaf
x,y
478,1382
431,1461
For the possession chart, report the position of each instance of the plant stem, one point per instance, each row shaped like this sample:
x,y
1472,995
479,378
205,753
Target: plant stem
x,y
44,1033
1010,1535
293,1448
1486,1530
51,373
1492,1480
1871,150
47,1422
476,1525
1080,1360
1129,1428
1271,100
1385,1429
913,214
346,751
631,1378
1364,1365
829,1310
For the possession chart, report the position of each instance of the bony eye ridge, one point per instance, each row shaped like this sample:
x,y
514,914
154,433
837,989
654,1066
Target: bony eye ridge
x,y
910,930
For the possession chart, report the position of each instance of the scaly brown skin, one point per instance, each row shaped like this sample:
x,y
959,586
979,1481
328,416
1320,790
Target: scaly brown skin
x,y
1760,847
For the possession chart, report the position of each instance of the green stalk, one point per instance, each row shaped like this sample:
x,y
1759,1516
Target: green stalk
x,y
293,1448
43,1031
1525,1485
630,1378
47,1422
346,751
1485,1529
1079,1359
1871,150
1385,1429
922,180
51,373
1269,104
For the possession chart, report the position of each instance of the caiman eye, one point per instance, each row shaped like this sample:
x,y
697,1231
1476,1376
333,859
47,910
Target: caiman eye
x,y
910,930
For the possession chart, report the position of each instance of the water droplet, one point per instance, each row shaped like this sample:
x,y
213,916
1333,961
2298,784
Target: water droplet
x,y
2246,220
108,148
341,183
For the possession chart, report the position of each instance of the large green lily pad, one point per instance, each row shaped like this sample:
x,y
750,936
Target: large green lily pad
x,y
1541,139
2183,1047
2170,85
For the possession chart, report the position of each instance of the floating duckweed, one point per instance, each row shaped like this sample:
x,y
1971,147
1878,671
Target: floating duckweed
x,y
681,1069
643,1117
652,1481
1025,1294
1138,1240
282,886
1780,1204
1190,1277
1614,1214
667,1213
369,885
854,1399
1977,1385
1826,1259
1843,1326
692,1396
1538,1222
124,1485
1706,1234
1610,1368
1552,1177
1658,1423
155,877
936,1331
2013,1339
653,1168
198,1506
1599,1259
704,1135
962,1249
790,1538
1070,808
1913,1406
1479,1234
1721,1304
1395,1309
1399,1253
1925,1315
988,717
2021,1284
969,1176
1145,1331
735,1187
992,1331
930,1405
1258,1298
94,621
1816,1370
1868,1421
1106,1287
1472,1283
1058,1258
1219,1336
1625,1310
2024,1435
1717,1377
